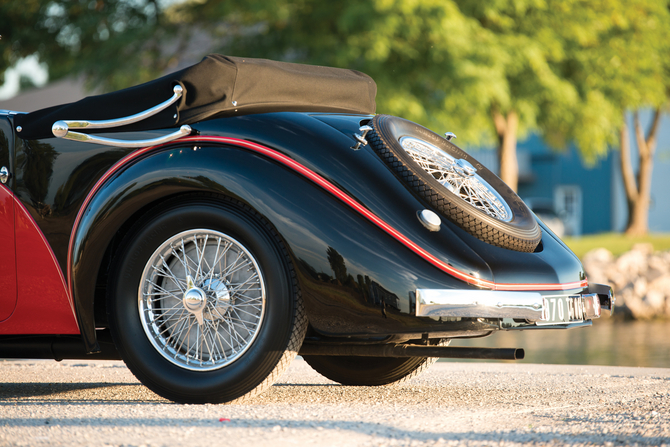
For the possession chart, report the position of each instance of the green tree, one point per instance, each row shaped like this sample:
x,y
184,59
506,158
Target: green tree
x,y
113,43
567,69
618,64
489,71
638,187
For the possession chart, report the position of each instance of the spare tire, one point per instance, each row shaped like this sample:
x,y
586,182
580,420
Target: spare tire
x,y
454,184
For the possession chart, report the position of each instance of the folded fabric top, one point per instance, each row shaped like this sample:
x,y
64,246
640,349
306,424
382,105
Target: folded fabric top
x,y
215,87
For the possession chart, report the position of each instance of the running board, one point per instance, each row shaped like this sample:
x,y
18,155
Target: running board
x,y
57,347
393,350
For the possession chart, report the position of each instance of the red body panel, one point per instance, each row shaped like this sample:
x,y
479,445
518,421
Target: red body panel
x,y
7,255
44,305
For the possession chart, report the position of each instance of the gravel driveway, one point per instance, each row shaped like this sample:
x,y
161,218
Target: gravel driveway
x,y
101,403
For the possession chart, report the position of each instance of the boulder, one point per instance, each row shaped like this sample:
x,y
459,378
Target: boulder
x,y
640,279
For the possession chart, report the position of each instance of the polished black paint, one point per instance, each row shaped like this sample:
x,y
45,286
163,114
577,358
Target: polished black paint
x,y
52,178
363,175
344,262
6,142
356,279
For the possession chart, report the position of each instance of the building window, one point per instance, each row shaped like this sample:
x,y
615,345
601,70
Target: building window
x,y
568,203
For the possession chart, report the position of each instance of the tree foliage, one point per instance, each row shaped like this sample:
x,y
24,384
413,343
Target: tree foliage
x,y
616,59
619,65
565,67
114,43
489,71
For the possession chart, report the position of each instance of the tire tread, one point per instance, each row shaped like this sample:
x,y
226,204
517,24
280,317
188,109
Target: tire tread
x,y
412,176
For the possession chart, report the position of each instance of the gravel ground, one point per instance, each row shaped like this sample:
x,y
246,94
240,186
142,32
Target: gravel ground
x,y
101,403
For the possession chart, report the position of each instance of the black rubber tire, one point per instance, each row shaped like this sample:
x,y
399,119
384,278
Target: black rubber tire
x,y
368,371
284,323
521,233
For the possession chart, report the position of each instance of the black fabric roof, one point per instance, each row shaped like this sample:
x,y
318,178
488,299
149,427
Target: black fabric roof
x,y
211,87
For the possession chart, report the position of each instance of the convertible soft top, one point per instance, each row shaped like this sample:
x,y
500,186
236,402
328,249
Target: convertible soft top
x,y
218,86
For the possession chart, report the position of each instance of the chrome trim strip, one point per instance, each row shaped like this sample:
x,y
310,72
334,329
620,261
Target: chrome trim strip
x,y
106,124
85,138
605,295
10,112
478,304
531,327
592,308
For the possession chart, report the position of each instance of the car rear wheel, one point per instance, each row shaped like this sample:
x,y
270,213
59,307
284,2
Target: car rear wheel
x,y
204,306
454,184
368,371
371,371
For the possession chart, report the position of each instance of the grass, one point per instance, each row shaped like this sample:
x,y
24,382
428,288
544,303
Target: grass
x,y
617,243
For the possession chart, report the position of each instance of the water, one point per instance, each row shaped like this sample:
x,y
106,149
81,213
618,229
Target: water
x,y
637,343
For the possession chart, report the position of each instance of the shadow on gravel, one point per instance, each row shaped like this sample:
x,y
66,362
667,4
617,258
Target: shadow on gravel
x,y
308,384
49,390
382,432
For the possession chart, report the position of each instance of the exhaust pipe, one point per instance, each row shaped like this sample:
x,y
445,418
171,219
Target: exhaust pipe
x,y
391,350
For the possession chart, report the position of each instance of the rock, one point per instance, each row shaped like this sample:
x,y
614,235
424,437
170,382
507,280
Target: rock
x,y
595,263
645,248
640,279
632,263
598,255
657,266
655,300
640,286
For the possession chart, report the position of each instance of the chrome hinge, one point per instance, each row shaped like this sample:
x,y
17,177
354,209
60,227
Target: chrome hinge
x,y
361,138
449,135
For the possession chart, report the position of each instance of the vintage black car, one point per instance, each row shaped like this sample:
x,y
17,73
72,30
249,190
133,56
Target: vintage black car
x,y
208,226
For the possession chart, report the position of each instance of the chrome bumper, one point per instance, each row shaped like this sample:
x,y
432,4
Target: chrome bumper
x,y
478,304
529,306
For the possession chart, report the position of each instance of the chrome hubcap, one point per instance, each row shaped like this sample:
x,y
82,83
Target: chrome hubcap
x,y
202,299
220,296
458,176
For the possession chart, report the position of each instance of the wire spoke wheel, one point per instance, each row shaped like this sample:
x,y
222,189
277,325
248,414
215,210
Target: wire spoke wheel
x,y
201,299
204,305
458,176
453,184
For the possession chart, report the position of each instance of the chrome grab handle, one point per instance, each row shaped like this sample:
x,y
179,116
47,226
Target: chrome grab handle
x,y
106,124
86,138
61,128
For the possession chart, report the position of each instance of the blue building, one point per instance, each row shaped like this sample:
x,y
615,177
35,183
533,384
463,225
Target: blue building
x,y
588,199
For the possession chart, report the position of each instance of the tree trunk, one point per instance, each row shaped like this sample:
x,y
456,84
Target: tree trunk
x,y
638,190
506,128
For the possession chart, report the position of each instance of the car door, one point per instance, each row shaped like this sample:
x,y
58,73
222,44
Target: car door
x,y
8,291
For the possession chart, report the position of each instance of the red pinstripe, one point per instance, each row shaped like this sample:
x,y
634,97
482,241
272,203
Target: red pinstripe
x,y
323,183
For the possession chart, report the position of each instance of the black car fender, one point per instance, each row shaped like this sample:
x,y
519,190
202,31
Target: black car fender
x,y
323,234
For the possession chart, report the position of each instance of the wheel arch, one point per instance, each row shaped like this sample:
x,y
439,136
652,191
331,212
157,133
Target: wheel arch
x,y
120,203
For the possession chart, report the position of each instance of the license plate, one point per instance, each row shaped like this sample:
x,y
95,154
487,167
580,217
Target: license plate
x,y
562,309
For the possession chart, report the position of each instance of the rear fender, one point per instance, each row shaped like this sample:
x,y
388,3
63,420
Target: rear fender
x,y
355,278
